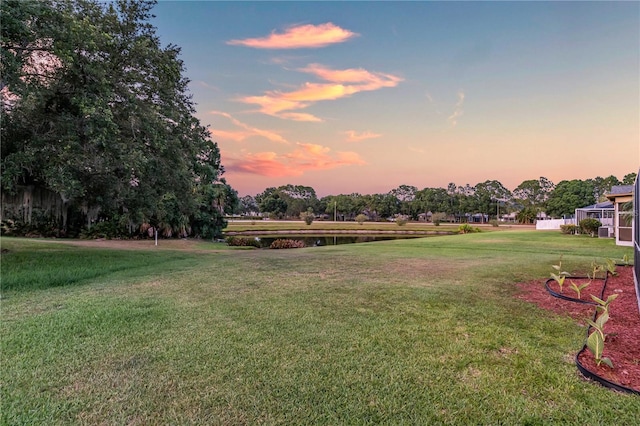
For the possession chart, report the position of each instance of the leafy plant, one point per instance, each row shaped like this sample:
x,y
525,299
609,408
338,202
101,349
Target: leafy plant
x,y
578,288
610,266
625,260
590,226
595,268
561,275
595,341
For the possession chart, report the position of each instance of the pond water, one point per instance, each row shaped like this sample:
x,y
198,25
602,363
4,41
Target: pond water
x,y
332,240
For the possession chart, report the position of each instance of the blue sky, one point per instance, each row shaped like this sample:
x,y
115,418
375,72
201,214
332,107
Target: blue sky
x,y
366,96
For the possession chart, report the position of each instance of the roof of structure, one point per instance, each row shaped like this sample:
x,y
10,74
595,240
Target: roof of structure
x,y
621,189
603,205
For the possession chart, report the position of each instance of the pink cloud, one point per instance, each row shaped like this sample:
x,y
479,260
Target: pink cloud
x,y
306,157
247,132
263,164
363,79
353,136
298,37
342,83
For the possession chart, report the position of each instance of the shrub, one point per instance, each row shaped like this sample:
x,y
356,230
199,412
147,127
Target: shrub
x,y
402,220
590,226
286,244
465,228
438,217
243,242
568,229
494,223
308,216
107,229
361,218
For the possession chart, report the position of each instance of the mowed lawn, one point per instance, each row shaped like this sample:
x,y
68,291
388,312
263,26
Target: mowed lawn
x,y
419,331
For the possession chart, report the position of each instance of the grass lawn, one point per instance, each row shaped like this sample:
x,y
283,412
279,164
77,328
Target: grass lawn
x,y
418,331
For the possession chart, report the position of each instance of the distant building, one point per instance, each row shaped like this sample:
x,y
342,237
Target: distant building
x,y
622,198
604,212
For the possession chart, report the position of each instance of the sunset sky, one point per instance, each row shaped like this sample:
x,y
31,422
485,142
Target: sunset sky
x,y
366,96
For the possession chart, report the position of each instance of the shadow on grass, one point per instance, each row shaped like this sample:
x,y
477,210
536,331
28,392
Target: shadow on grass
x,y
38,269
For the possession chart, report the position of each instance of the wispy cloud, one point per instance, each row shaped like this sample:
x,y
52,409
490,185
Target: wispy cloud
x,y
362,79
458,109
299,37
306,157
353,136
429,97
341,83
208,86
246,132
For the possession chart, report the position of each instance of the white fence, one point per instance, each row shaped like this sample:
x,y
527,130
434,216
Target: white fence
x,y
552,224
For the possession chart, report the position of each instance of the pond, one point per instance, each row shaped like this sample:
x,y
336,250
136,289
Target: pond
x,y
332,240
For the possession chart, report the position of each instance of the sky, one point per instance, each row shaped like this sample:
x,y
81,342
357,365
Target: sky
x,y
362,97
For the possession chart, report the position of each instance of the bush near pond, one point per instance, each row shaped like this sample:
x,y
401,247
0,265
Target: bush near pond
x,y
286,244
465,228
243,242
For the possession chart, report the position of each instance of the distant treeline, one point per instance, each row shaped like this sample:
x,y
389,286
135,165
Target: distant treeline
x,y
485,200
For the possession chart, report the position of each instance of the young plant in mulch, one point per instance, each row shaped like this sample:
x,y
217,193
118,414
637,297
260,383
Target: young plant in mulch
x,y
610,266
579,287
561,275
595,268
595,341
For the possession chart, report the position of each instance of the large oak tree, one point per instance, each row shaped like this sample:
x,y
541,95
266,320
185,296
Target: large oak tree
x,y
96,112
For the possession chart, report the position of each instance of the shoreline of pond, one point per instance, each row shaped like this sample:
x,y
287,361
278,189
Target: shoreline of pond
x,y
310,232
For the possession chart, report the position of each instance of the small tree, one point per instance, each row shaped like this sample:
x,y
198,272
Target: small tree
x,y
590,226
402,220
438,217
361,218
308,216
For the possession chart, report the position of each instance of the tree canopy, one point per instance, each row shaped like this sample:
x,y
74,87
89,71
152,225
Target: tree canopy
x,y
97,114
570,195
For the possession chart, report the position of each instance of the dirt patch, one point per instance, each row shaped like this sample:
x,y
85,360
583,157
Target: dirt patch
x,y
622,344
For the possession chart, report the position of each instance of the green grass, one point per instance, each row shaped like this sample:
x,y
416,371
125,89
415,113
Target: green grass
x,y
420,331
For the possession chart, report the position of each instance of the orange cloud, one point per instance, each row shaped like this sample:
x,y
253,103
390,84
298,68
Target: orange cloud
x,y
342,83
307,157
248,131
298,37
363,79
353,136
263,164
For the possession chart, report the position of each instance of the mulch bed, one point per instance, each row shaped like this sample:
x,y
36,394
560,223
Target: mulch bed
x,y
622,331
